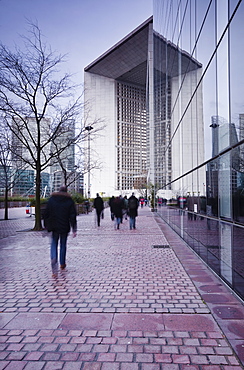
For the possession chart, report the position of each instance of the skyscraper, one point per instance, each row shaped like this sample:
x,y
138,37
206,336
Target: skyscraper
x,y
133,87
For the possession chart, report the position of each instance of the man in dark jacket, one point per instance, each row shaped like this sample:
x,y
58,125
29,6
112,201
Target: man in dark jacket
x,y
118,205
59,217
133,204
99,206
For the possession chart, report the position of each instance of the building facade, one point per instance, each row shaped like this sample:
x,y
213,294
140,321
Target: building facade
x,y
133,87
211,221
23,172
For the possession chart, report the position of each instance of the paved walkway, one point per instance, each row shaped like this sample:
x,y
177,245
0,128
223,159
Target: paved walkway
x,y
128,300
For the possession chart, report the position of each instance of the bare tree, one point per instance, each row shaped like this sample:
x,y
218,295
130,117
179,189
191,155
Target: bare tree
x,y
39,105
10,173
81,167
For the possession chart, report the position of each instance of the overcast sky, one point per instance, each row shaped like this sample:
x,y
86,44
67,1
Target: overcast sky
x,y
83,29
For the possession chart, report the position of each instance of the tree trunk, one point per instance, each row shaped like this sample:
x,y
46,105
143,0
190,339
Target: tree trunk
x,y
6,204
38,222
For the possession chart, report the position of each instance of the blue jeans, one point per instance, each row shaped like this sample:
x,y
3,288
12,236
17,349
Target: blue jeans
x,y
54,249
132,222
117,222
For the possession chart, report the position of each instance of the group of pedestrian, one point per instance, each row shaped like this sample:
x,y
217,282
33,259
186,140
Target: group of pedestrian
x,y
143,201
121,207
60,218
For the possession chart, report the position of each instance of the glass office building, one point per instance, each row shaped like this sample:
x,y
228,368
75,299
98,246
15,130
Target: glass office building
x,y
171,96
209,214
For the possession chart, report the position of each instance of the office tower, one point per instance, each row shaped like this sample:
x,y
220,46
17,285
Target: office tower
x,y
134,88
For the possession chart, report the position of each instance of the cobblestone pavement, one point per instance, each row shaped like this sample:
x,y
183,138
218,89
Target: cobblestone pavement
x,y
18,222
128,300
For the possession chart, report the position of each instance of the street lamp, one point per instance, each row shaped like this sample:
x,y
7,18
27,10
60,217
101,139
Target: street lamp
x,y
89,128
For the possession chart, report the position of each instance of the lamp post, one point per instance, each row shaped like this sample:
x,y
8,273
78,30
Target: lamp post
x,y
89,128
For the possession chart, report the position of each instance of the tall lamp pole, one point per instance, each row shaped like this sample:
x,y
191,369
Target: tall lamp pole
x,y
89,128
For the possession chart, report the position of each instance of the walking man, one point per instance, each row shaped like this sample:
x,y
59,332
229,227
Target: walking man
x,y
118,209
133,204
99,206
59,218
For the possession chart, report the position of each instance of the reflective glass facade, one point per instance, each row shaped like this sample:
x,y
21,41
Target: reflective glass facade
x,y
207,206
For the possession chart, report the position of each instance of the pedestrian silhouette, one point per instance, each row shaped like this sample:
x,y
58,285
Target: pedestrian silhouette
x,y
118,209
133,204
111,204
99,206
59,218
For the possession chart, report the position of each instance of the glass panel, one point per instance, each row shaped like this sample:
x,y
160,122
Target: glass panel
x,y
223,93
222,17
232,5
225,186
186,27
238,258
225,251
212,188
202,236
213,245
238,183
204,51
205,30
236,72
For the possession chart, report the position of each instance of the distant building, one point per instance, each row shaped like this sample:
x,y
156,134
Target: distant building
x,y
54,176
63,170
133,89
24,182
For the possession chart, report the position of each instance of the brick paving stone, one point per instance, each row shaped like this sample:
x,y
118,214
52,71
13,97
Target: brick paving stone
x,y
150,367
3,364
35,365
54,365
31,347
110,366
129,366
199,359
105,357
153,313
49,347
165,358
16,355
33,356
144,357
85,357
15,365
124,357
170,367
70,357
188,350
181,359
206,350
15,347
100,348
93,366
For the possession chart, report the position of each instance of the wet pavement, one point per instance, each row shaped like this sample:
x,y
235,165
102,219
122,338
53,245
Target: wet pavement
x,y
128,300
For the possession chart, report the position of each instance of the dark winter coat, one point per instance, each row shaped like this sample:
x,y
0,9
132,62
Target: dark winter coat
x,y
111,204
60,213
118,207
133,212
98,204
